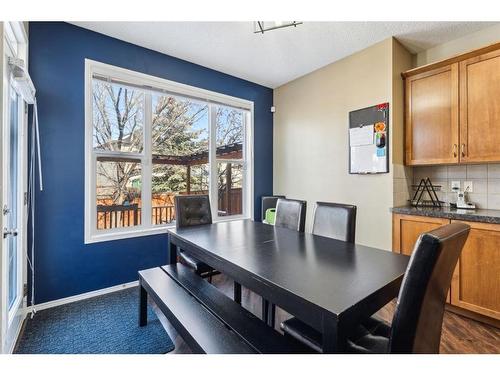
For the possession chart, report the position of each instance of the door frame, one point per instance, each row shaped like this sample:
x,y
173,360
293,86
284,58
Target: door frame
x,y
14,42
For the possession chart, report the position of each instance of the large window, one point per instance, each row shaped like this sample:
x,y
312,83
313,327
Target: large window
x,y
148,140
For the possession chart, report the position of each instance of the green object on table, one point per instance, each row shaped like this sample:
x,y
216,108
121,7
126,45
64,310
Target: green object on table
x,y
270,215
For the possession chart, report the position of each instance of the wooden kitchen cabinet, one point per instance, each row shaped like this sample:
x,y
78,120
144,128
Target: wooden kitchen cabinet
x,y
407,228
431,127
476,281
475,286
452,110
480,108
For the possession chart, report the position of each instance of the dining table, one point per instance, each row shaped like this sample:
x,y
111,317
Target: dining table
x,y
329,284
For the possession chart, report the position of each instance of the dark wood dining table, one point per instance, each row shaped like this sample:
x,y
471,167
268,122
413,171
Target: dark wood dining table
x,y
329,284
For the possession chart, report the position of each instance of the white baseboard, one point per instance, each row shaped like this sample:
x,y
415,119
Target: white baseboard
x,y
79,297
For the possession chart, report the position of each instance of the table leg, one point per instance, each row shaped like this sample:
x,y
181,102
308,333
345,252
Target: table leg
x,y
237,292
334,339
272,315
143,307
268,312
265,310
172,254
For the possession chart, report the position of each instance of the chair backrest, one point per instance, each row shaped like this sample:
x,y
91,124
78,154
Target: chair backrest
x,y
291,214
418,319
335,220
267,202
192,210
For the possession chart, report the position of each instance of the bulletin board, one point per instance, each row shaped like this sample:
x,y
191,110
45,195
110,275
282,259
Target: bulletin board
x,y
369,140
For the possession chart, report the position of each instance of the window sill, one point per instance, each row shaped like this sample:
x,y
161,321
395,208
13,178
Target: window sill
x,y
142,232
124,234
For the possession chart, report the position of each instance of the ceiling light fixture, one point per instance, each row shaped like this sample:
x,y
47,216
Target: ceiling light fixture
x,y
262,26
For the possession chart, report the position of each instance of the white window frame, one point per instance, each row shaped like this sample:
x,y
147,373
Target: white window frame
x,y
212,98
14,40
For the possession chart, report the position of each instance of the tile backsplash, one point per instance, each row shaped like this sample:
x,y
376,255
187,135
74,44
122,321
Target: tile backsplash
x,y
485,180
402,181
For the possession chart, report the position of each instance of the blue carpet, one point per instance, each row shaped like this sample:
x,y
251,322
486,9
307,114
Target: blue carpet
x,y
106,324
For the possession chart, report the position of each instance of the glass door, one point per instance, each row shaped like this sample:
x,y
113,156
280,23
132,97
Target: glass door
x,y
13,211
12,277
10,209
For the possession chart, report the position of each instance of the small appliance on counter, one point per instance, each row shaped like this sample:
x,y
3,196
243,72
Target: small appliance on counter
x,y
462,200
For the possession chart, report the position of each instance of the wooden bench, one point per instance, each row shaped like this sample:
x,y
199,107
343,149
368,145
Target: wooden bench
x,y
208,320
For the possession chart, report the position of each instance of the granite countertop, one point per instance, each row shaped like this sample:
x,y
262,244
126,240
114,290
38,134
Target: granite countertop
x,y
479,215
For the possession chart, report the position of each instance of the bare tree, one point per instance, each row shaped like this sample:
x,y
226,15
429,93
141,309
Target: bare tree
x,y
118,126
229,131
229,128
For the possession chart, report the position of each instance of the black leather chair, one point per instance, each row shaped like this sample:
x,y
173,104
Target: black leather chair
x,y
267,202
333,220
290,214
191,210
417,322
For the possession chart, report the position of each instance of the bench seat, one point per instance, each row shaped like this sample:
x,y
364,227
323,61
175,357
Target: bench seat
x,y
199,328
208,320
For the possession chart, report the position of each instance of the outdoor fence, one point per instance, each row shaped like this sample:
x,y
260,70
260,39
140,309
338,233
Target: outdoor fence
x,y
163,211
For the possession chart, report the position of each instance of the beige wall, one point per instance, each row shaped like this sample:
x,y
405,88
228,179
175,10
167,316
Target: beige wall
x,y
402,60
469,42
311,143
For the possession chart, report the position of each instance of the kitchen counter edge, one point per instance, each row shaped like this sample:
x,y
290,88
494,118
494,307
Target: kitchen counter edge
x,y
478,215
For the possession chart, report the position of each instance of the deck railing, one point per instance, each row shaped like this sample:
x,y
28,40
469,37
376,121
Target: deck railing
x,y
118,216
163,214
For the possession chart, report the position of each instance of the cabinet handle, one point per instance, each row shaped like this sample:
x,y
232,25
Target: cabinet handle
x,y
455,150
463,149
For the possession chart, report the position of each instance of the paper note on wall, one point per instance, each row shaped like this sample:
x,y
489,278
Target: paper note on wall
x,y
361,136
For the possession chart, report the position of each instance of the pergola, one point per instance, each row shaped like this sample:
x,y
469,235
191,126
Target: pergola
x,y
233,151
230,152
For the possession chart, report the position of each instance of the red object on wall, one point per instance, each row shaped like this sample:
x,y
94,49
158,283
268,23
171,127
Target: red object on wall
x,y
382,106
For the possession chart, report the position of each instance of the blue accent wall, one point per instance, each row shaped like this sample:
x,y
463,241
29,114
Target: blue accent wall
x,y
65,266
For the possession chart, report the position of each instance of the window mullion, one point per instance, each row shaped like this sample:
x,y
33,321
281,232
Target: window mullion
x,y
93,193
212,158
232,161
244,189
146,193
118,154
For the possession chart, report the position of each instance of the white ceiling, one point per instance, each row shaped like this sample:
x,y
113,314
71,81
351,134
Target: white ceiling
x,y
278,56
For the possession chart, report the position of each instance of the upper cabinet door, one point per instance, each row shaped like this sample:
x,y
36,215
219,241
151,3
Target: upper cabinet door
x,y
480,108
432,117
